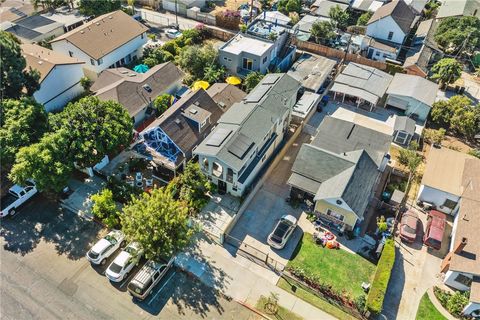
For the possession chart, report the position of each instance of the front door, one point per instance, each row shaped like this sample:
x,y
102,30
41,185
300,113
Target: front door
x,y
222,187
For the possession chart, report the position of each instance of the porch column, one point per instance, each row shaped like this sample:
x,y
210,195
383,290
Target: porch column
x,y
358,102
371,107
343,99
334,95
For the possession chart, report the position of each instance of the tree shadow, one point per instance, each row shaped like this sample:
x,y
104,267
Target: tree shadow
x,y
42,218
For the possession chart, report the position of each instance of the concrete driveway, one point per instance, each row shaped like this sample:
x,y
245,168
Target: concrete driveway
x,y
268,206
45,275
416,269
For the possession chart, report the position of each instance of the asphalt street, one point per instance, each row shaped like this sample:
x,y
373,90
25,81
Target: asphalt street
x,y
44,275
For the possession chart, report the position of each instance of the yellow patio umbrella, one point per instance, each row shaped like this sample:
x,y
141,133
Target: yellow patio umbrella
x,y
233,80
200,85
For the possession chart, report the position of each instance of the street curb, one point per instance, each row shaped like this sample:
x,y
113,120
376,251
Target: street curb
x,y
253,309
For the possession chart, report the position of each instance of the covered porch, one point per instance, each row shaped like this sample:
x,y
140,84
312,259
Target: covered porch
x,y
354,96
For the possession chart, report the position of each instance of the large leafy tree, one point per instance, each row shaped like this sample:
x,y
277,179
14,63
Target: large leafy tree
x,y
339,17
105,209
23,122
152,57
162,103
47,162
158,222
287,6
14,78
323,31
214,73
447,70
455,34
252,79
364,18
193,59
96,128
99,7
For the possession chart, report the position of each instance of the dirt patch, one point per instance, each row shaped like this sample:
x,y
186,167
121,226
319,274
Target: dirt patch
x,y
455,143
227,5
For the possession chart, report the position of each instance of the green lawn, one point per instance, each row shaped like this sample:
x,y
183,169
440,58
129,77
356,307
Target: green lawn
x,y
338,268
282,313
427,311
314,300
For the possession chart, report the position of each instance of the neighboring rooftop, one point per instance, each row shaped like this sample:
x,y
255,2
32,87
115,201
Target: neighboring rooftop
x,y
242,43
340,136
304,26
44,60
275,17
416,87
322,7
104,34
383,45
444,170
304,106
405,124
456,8
250,120
367,5
417,5
136,90
65,17
400,12
225,95
312,71
31,27
12,10
362,81
263,29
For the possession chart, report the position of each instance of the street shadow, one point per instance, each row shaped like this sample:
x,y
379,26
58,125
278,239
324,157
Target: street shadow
x,y
396,284
42,218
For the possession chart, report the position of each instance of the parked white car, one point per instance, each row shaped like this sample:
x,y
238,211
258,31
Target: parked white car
x,y
105,247
172,33
124,262
16,196
282,232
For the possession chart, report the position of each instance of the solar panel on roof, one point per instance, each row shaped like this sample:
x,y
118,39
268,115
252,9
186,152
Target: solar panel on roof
x,y
270,79
218,136
240,146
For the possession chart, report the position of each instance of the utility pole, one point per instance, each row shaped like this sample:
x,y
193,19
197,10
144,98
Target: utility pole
x,y
176,16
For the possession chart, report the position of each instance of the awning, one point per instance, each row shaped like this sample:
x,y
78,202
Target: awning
x,y
355,92
397,103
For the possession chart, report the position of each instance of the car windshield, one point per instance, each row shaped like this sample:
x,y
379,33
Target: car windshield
x,y
93,254
115,268
408,229
111,239
131,250
434,243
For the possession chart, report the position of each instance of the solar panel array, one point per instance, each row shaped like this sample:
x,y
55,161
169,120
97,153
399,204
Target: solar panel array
x,y
240,146
218,136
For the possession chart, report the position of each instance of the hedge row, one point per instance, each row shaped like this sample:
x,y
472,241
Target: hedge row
x,y
379,286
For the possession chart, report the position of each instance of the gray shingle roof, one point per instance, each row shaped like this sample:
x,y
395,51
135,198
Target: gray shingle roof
x,y
452,8
253,117
350,176
413,86
312,70
404,124
400,12
119,85
340,136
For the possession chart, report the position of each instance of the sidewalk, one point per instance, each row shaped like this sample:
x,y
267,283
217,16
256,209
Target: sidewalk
x,y
240,278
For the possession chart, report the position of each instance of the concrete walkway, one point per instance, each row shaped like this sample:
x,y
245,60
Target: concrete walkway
x,y
239,278
438,306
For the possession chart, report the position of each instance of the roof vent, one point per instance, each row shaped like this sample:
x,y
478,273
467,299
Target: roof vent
x,y
177,121
124,72
222,105
193,111
40,62
196,103
82,32
132,75
98,23
110,17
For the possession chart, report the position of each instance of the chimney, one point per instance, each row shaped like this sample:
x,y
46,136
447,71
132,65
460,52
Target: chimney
x,y
461,246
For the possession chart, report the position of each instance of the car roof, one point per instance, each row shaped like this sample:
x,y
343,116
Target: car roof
x,y
100,245
410,220
122,258
437,214
437,226
146,272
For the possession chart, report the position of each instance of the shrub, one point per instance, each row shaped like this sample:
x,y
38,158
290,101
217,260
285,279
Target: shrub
x,y
105,209
374,303
453,302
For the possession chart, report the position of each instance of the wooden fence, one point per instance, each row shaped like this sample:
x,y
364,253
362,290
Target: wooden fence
x,y
337,54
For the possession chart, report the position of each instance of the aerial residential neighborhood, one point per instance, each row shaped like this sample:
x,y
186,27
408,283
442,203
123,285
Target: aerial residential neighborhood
x,y
237,159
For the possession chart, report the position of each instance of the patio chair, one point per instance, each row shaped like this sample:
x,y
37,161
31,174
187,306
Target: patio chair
x,y
138,177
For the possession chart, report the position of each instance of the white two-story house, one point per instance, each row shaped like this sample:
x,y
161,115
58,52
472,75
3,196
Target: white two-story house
x,y
248,133
390,26
59,76
108,41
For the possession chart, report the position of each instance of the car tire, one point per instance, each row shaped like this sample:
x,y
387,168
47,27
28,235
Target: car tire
x,y
12,212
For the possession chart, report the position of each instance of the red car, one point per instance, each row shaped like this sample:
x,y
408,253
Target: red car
x,y
409,226
435,229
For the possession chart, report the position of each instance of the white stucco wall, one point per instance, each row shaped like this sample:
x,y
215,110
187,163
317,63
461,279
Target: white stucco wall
x,y
472,307
381,28
133,47
60,86
450,277
437,197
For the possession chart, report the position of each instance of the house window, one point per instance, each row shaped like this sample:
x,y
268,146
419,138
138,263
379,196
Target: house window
x,y
100,61
463,279
335,215
401,137
92,62
225,58
229,175
450,204
390,35
142,36
70,53
234,188
247,64
265,59
217,170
